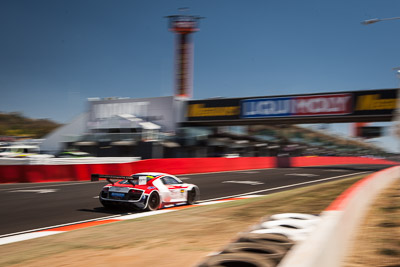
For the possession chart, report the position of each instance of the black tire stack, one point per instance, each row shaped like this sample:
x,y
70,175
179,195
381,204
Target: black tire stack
x,y
251,249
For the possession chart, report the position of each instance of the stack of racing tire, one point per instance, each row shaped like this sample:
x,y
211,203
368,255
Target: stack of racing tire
x,y
265,244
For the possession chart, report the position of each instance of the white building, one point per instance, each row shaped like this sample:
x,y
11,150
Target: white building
x,y
118,119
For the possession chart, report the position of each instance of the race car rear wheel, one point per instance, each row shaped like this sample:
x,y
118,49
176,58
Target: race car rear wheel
x,y
154,201
191,196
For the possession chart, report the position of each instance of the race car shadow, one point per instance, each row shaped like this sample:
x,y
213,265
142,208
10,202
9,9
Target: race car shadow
x,y
114,211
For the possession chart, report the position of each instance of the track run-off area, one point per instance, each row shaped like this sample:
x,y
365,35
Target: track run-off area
x,y
30,207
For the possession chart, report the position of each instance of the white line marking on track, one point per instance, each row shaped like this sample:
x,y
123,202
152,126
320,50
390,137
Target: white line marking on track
x,y
38,191
243,182
286,186
302,174
44,186
23,237
27,235
212,202
226,200
61,225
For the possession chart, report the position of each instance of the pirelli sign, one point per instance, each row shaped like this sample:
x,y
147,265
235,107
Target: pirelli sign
x,y
213,109
377,102
343,104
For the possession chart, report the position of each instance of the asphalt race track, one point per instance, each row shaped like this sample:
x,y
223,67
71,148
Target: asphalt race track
x,y
32,206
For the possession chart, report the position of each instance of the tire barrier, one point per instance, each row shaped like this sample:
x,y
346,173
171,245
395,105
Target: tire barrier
x,y
269,251
237,260
267,238
328,244
266,243
295,226
296,216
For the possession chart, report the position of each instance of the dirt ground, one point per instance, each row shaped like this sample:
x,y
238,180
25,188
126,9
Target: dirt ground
x,y
377,242
181,238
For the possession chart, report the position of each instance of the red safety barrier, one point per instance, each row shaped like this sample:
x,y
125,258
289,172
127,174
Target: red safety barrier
x,y
11,173
202,165
82,172
319,161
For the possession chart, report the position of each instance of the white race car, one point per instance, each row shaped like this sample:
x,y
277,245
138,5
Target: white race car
x,y
145,191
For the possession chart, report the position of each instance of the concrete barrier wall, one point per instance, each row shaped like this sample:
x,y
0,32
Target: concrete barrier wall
x,y
81,172
328,244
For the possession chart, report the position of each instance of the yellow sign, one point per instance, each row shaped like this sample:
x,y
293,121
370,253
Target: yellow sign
x,y
198,110
373,102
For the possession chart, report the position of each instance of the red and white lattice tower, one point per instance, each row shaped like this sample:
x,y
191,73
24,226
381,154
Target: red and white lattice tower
x,y
183,26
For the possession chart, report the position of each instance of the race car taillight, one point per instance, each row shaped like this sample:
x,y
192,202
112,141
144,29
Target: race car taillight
x,y
105,189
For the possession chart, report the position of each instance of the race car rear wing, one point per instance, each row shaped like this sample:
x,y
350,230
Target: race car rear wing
x,y
140,180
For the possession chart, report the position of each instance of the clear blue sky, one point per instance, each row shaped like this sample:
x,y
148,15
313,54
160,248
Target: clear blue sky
x,y
54,54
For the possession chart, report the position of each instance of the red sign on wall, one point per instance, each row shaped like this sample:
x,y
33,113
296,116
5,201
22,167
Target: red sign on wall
x,y
337,104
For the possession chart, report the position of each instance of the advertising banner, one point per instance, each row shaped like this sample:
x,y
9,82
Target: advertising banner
x,y
266,107
368,105
379,102
216,109
315,105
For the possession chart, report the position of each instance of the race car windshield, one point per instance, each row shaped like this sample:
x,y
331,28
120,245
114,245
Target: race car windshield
x,y
136,179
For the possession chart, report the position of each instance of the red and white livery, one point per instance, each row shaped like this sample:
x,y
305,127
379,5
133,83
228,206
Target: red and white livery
x,y
145,191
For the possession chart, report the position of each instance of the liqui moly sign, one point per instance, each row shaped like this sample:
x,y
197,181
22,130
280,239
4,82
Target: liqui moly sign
x,y
314,105
339,104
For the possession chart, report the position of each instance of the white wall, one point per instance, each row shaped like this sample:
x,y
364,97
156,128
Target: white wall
x,y
53,141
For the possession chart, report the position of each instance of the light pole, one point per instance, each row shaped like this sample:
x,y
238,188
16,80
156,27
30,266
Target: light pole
x,y
396,115
371,21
